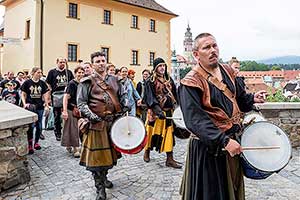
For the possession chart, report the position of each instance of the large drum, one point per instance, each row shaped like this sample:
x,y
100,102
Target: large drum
x,y
128,135
273,150
180,129
252,117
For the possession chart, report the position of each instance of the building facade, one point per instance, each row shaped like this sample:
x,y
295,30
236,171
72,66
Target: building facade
x,y
131,33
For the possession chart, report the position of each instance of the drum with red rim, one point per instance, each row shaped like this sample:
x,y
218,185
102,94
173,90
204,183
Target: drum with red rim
x,y
128,135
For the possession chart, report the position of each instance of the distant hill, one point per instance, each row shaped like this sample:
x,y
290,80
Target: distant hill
x,y
281,60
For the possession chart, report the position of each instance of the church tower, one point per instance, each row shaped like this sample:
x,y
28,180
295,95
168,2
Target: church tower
x,y
188,44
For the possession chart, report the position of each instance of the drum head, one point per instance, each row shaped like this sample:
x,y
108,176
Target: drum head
x,y
255,117
265,134
178,118
128,133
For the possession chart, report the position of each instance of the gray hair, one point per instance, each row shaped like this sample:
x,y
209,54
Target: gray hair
x,y
196,40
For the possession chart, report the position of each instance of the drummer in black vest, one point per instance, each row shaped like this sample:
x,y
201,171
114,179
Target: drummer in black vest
x,y
58,79
211,103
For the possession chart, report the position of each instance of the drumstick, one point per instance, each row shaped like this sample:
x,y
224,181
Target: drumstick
x,y
176,118
127,123
260,148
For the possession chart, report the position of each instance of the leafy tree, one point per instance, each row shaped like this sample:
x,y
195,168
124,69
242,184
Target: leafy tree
x,y
253,66
275,67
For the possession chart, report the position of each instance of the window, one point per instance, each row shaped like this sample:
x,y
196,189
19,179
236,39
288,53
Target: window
x,y
73,10
72,52
27,29
105,50
152,55
152,25
134,21
107,17
134,57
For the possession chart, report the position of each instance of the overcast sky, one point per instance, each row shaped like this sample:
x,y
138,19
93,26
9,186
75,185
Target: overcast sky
x,y
247,29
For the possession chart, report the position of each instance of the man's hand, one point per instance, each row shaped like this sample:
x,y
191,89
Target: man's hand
x,y
233,147
260,96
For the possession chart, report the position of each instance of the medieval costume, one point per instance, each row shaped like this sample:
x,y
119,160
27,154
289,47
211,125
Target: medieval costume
x,y
98,102
141,111
213,117
160,98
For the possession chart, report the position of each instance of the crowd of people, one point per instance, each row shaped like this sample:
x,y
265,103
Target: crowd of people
x,y
211,96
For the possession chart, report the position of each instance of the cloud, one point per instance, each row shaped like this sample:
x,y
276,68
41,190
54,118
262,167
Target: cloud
x,y
253,29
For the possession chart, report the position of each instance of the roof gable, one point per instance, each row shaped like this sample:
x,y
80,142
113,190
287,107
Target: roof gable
x,y
148,4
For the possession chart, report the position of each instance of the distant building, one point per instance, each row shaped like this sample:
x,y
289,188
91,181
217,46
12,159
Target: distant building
x,y
273,78
131,33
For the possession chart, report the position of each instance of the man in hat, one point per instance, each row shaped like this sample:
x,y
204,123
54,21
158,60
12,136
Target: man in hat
x,y
211,103
160,98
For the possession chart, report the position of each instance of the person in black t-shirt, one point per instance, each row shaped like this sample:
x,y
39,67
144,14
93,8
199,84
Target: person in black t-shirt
x,y
10,94
10,78
70,137
35,96
58,79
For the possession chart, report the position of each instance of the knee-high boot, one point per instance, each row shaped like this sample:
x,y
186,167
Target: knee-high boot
x,y
99,178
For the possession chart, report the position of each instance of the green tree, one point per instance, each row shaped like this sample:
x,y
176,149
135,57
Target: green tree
x,y
253,66
275,67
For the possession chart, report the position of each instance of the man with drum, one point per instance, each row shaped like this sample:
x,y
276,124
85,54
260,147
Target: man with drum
x,y
98,102
160,98
211,103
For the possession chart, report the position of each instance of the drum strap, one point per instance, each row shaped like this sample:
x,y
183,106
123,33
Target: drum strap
x,y
110,93
213,80
114,100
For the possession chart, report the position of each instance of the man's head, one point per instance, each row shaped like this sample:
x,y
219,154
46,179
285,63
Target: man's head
x,y
10,75
20,75
98,60
131,74
159,66
235,64
206,50
146,74
61,63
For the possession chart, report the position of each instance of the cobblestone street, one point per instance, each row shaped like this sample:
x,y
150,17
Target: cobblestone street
x,y
55,174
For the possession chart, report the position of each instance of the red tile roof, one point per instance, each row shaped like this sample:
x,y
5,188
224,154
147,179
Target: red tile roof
x,y
255,87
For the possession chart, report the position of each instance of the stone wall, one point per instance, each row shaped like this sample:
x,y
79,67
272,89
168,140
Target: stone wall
x,y
14,123
13,162
286,116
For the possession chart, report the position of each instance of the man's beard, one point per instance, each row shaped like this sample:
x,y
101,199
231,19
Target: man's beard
x,y
214,65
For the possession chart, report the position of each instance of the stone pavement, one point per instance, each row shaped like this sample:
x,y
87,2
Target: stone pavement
x,y
56,175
